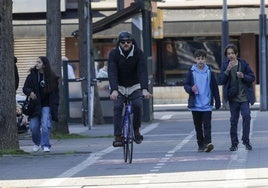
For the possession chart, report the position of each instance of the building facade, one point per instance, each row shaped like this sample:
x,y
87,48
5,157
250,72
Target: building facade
x,y
186,25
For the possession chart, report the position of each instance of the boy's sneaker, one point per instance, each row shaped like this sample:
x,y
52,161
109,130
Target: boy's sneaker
x,y
209,147
201,148
248,146
46,149
233,147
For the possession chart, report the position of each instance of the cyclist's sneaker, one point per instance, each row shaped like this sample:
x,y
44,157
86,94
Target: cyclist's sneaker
x,y
209,147
118,141
138,139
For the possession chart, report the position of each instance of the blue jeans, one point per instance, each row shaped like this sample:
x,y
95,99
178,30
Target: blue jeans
x,y
236,108
41,127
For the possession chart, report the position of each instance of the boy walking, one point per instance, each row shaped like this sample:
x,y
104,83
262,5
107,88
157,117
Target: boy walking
x,y
237,79
201,85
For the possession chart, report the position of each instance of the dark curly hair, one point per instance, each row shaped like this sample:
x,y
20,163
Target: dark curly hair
x,y
230,46
200,53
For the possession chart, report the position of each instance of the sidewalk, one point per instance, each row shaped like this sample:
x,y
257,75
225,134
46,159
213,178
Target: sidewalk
x,y
100,137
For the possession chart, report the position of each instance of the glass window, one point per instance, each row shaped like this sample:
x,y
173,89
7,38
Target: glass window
x,y
178,57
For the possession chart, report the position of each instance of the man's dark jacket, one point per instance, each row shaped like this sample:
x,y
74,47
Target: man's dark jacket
x,y
127,71
188,84
247,81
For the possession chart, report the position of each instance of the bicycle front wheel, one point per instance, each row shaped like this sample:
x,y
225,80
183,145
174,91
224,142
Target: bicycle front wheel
x,y
125,149
128,140
128,150
130,147
131,138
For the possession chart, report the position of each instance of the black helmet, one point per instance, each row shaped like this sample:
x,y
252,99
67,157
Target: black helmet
x,y
124,35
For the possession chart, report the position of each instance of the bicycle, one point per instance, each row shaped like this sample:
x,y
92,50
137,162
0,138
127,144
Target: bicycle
x,y
127,129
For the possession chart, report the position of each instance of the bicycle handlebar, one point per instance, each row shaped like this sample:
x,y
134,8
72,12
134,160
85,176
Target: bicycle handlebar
x,y
130,98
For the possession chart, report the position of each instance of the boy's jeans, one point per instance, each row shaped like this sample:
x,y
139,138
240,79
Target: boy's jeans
x,y
41,127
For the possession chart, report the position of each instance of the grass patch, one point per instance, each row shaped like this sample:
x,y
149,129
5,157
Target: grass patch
x,y
13,152
75,136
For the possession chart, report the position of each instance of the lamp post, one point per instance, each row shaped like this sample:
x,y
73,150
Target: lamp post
x,y
224,39
87,14
225,29
142,31
147,46
262,57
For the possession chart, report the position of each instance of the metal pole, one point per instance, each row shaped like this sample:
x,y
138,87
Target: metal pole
x,y
224,40
147,45
262,57
88,42
120,5
225,28
66,86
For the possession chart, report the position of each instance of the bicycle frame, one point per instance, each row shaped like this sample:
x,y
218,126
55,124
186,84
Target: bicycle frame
x,y
128,132
127,121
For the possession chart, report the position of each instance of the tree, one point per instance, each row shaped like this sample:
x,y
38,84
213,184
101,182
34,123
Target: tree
x,y
54,55
8,127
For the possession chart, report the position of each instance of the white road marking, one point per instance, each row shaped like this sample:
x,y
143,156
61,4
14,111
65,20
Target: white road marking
x,y
238,160
93,158
166,117
162,162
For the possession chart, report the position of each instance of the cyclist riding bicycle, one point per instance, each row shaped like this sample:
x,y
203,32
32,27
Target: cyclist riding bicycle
x,y
127,74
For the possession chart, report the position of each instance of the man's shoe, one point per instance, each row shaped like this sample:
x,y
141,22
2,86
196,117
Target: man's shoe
x,y
209,147
233,148
118,141
248,146
138,139
36,148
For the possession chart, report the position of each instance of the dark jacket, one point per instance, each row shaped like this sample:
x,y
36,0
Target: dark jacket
x,y
247,81
32,85
188,84
127,71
